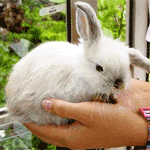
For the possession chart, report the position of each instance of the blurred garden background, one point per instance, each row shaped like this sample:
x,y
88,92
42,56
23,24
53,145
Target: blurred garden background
x,y
38,29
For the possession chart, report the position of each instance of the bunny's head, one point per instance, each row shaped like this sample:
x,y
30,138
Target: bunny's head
x,y
109,59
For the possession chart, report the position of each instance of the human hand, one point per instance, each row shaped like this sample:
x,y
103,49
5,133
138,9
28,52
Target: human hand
x,y
98,125
137,96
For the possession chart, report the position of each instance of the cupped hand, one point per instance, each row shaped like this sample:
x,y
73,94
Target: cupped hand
x,y
98,124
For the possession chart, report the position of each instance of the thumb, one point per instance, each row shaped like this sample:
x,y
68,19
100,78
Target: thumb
x,y
77,111
59,107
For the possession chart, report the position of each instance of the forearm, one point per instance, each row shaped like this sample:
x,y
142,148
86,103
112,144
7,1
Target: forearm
x,y
123,127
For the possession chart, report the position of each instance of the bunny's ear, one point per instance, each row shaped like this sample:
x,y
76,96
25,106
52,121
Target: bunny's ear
x,y
138,59
87,24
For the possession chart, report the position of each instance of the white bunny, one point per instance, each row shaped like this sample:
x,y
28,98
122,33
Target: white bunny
x,y
99,65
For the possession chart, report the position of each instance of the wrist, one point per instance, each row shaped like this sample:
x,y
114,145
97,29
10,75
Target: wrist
x,y
143,132
125,128
138,134
139,130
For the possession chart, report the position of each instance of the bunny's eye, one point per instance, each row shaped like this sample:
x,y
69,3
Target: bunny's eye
x,y
99,68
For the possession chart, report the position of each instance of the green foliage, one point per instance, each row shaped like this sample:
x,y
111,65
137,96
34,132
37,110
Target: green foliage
x,y
58,1
15,143
18,143
31,3
26,141
7,61
39,144
112,17
42,28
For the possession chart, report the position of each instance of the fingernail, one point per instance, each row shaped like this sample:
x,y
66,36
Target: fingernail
x,y
47,105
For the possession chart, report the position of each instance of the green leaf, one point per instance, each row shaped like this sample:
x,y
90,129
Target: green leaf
x,y
107,32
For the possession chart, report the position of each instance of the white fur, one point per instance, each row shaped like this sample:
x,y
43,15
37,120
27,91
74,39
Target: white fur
x,y
66,71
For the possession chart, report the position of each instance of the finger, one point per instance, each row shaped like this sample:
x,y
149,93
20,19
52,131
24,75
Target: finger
x,y
47,133
36,130
65,109
83,112
52,142
64,136
57,135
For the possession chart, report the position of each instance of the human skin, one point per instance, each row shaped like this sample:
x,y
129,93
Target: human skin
x,y
99,124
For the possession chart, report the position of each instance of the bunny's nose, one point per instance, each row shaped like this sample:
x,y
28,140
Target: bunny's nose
x,y
118,83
